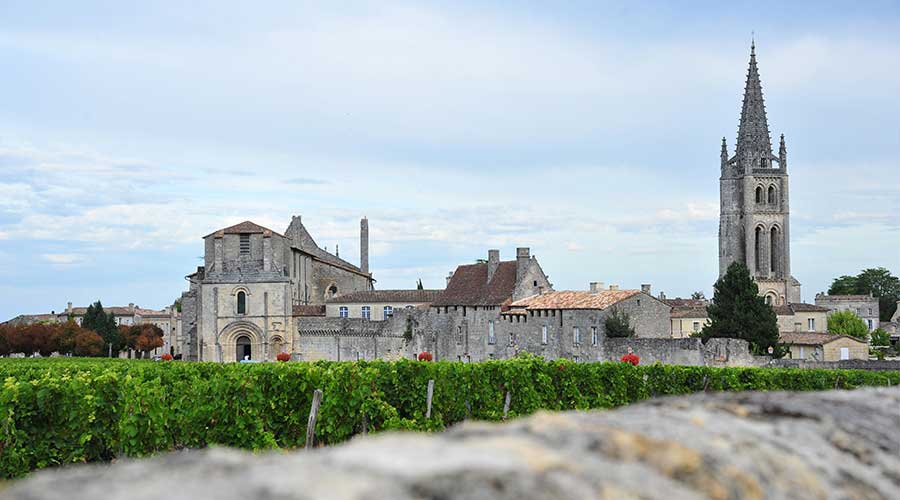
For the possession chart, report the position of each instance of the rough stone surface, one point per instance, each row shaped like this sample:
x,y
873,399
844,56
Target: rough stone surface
x,y
841,444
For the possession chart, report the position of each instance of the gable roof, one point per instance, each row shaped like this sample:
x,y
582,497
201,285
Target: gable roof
x,y
679,302
246,227
689,312
303,241
575,299
812,338
405,296
791,309
469,285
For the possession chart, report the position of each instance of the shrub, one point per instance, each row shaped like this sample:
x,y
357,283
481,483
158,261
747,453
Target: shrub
x,y
618,324
848,323
283,356
425,356
166,357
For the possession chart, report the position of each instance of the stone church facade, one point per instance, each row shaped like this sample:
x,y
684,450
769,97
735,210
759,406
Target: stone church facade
x,y
754,221
241,302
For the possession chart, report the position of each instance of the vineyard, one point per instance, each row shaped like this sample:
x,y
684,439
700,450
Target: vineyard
x,y
68,410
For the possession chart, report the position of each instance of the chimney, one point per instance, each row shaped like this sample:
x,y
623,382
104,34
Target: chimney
x,y
523,256
646,288
69,307
596,286
337,251
662,295
364,245
267,251
131,306
449,277
493,263
218,253
614,288
540,290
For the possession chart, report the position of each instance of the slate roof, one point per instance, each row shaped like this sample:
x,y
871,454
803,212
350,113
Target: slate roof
x,y
574,299
469,285
244,227
406,296
791,309
301,310
811,338
689,312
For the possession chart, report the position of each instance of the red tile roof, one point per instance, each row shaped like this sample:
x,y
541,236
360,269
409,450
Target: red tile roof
x,y
689,312
811,338
469,286
575,299
791,309
301,310
679,302
406,296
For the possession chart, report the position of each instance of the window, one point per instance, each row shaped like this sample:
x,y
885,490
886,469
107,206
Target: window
x,y
245,243
811,324
759,197
802,352
871,324
544,334
344,312
870,311
491,338
696,326
595,337
512,339
575,358
332,291
366,312
241,303
763,163
771,195
535,282
459,335
845,353
388,311
769,300
576,335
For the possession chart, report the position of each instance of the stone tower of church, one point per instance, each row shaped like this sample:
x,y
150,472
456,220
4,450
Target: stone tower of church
x,y
754,220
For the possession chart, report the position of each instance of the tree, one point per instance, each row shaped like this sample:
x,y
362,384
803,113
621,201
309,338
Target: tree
x,y
618,324
142,338
738,311
96,319
879,282
419,285
64,337
88,343
848,323
698,295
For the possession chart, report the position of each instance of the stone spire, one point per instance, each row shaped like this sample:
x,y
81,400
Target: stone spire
x,y
782,154
724,154
753,134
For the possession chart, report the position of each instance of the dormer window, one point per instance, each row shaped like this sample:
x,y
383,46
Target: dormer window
x,y
245,243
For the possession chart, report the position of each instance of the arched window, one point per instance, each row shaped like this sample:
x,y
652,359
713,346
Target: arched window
x,y
757,247
770,300
774,246
332,291
772,195
241,303
763,163
759,196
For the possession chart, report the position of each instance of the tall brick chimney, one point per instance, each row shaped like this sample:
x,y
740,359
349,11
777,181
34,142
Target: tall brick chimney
x,y
493,263
523,256
364,245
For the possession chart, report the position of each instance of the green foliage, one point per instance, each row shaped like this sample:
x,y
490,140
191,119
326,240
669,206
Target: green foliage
x,y
876,281
69,410
737,311
96,319
880,338
618,324
698,295
848,323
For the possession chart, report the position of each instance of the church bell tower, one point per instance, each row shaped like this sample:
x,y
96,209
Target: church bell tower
x,y
754,217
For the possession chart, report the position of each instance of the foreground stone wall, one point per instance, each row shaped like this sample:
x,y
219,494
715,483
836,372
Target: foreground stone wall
x,y
841,444
850,364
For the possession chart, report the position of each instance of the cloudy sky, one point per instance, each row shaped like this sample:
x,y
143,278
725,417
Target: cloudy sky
x,y
589,132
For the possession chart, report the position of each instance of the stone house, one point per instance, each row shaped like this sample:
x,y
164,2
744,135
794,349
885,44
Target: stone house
x,y
688,316
801,317
240,303
824,347
377,305
865,306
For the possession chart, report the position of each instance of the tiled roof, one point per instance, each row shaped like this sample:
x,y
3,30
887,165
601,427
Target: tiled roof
x,y
679,302
308,310
469,286
811,338
845,297
407,296
515,312
791,309
689,312
114,310
30,319
244,227
575,299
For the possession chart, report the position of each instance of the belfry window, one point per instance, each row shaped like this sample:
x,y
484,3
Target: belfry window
x,y
763,163
241,303
759,195
245,243
772,195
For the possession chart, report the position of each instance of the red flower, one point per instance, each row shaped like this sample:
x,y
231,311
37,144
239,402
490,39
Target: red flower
x,y
425,356
166,357
631,358
283,356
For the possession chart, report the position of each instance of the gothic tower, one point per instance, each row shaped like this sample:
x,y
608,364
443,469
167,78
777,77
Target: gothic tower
x,y
754,211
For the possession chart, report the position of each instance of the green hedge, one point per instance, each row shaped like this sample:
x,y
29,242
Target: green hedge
x,y
60,411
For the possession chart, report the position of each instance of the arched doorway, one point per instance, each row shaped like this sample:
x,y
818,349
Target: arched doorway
x,y
244,350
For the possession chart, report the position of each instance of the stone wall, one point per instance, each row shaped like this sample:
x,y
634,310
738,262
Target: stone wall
x,y
850,364
840,444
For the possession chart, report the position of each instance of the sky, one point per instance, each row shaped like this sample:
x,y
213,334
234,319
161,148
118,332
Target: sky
x,y
588,131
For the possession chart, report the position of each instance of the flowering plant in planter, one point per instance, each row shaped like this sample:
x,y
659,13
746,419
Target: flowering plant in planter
x,y
425,356
631,358
166,357
283,356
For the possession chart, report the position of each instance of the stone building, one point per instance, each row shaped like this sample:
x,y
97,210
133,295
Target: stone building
x,y
688,316
378,305
754,221
801,317
824,347
865,306
240,303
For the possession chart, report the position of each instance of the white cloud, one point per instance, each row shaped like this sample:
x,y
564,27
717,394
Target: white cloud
x,y
63,259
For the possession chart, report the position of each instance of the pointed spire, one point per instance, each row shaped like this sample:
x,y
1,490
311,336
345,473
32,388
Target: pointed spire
x,y
724,154
782,154
753,132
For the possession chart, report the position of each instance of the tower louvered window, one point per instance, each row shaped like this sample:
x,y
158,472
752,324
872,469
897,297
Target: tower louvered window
x,y
245,244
